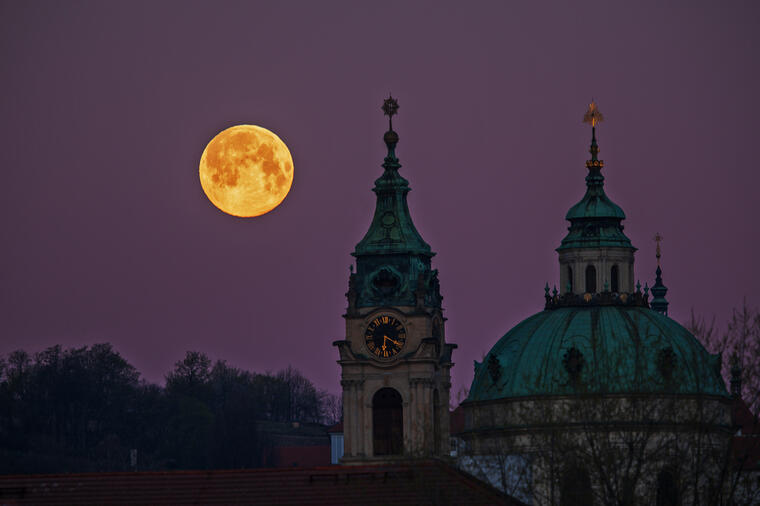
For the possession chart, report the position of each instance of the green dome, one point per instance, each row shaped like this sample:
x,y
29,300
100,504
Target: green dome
x,y
595,205
595,221
600,349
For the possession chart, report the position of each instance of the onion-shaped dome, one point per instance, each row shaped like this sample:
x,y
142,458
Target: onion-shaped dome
x,y
597,349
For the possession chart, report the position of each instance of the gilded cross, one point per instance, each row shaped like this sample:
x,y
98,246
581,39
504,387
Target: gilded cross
x,y
593,116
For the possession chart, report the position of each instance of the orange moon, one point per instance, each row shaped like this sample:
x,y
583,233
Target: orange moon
x,y
246,171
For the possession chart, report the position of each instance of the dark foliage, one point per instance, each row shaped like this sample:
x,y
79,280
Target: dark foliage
x,y
85,409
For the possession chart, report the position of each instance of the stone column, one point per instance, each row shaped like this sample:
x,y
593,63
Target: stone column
x,y
443,394
352,418
349,414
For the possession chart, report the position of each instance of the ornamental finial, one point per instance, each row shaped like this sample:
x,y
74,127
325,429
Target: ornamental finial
x,y
593,116
658,239
390,108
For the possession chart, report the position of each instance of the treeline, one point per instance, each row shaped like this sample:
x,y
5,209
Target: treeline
x,y
86,409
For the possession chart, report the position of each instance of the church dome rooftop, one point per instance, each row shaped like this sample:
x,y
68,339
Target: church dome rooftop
x,y
595,221
597,349
595,204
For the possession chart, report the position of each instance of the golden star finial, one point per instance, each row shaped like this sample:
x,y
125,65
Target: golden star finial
x,y
593,116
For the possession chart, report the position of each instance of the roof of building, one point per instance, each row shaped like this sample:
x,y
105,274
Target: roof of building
x,y
411,483
595,221
597,349
392,260
392,230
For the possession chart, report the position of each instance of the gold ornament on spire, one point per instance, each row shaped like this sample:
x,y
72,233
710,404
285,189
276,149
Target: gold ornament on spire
x,y
593,116
658,239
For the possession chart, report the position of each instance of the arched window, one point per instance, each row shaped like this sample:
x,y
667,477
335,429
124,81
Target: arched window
x,y
576,487
614,283
590,279
387,422
569,279
667,489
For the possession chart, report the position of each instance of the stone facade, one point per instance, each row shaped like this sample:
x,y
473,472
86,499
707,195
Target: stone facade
x,y
420,374
526,447
577,260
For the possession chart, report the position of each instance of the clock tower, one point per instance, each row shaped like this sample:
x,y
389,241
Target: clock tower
x,y
395,362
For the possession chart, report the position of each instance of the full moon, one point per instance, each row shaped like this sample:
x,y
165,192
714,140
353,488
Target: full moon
x,y
246,170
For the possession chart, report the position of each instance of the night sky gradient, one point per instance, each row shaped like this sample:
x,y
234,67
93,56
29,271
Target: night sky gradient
x,y
106,107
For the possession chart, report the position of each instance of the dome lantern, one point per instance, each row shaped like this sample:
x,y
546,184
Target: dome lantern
x,y
595,256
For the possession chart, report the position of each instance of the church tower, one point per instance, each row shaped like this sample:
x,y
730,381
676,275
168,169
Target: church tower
x,y
395,362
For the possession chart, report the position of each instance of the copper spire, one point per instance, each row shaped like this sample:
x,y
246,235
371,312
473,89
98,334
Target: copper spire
x,y
659,290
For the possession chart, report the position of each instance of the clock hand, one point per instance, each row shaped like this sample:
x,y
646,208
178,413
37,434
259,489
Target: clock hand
x,y
391,340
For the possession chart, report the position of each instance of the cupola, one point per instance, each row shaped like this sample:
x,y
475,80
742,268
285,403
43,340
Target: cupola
x,y
595,256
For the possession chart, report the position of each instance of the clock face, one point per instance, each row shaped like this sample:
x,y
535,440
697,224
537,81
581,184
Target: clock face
x,y
385,336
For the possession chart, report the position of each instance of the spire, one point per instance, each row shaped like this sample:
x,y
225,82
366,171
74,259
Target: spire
x,y
659,303
390,109
392,255
594,180
592,117
595,220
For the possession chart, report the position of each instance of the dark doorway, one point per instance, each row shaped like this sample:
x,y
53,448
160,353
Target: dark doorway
x,y
590,279
614,279
576,487
387,422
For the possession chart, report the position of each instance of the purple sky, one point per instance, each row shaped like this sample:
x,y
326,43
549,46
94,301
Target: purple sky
x,y
106,107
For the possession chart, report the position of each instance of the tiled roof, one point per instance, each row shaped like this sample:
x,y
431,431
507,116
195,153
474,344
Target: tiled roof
x,y
412,483
301,456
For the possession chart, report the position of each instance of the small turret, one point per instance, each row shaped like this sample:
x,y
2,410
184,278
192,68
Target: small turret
x,y
659,303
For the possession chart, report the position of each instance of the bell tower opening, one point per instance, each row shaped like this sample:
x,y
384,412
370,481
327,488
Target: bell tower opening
x,y
614,282
590,279
387,422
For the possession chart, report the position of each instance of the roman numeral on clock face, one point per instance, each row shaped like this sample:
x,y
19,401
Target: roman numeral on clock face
x,y
385,336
